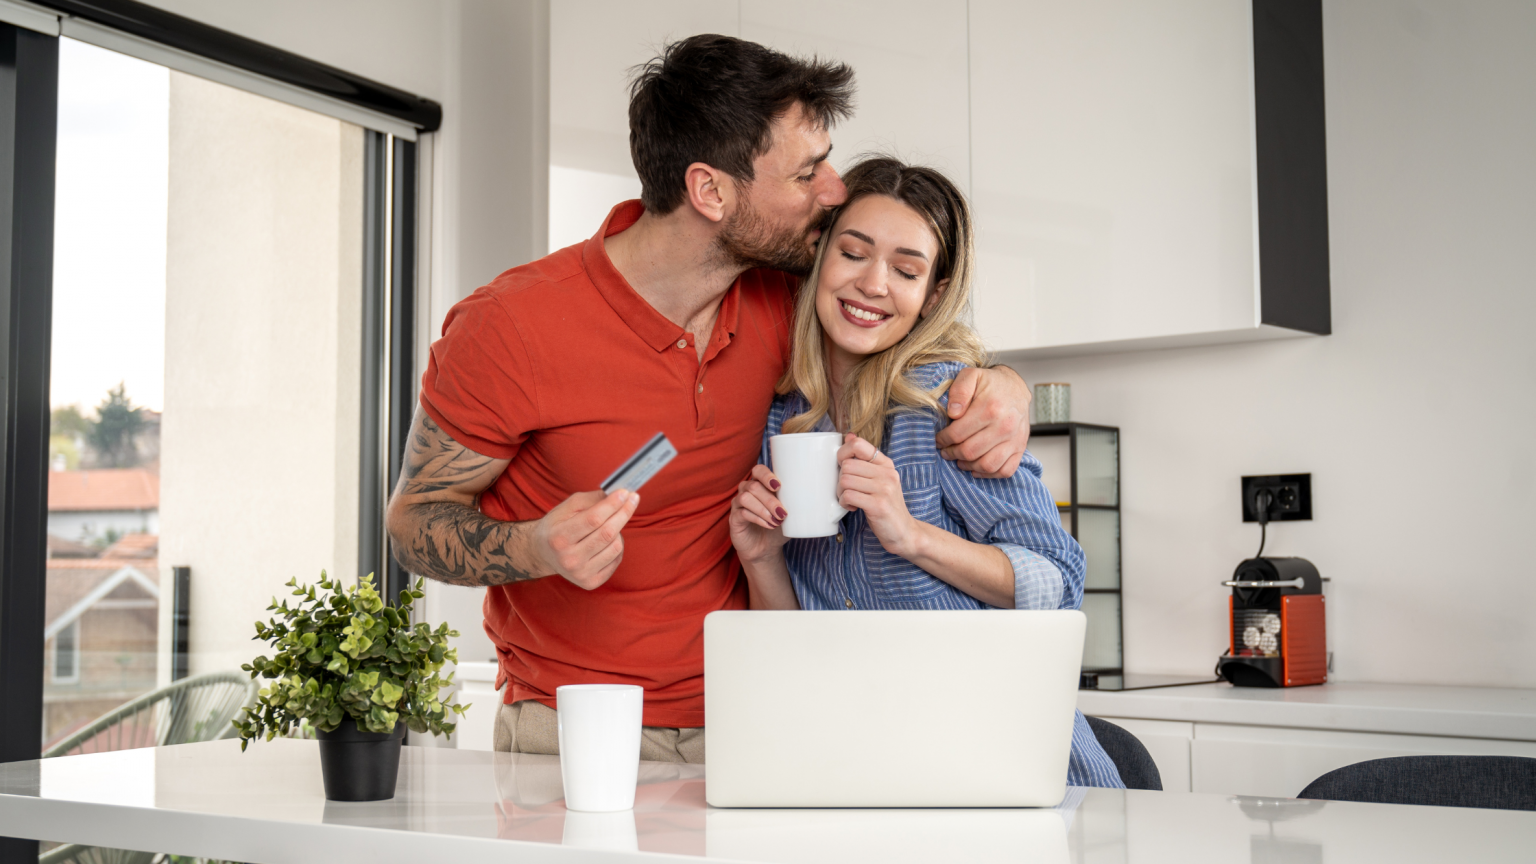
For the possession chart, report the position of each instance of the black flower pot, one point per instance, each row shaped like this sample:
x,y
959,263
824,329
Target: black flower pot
x,y
358,765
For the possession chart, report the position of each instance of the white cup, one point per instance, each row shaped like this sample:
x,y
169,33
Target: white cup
x,y
599,727
806,465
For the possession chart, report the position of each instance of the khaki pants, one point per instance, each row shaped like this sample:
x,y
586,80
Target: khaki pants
x,y
529,727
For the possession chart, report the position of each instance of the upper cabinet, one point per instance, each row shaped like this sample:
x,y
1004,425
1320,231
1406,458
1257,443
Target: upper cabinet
x,y
909,60
1147,174
1144,173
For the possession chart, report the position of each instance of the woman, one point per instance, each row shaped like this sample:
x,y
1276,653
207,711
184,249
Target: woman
x,y
878,337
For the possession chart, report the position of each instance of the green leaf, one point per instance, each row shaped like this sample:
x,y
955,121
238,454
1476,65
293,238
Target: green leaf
x,y
388,693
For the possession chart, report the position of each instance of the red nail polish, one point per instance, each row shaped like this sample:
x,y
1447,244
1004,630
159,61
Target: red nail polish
x,y
774,485
780,512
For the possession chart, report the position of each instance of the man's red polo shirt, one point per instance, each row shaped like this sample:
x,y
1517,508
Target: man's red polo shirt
x,y
561,367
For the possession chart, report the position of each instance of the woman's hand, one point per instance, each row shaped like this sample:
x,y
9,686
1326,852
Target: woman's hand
x,y
867,480
756,517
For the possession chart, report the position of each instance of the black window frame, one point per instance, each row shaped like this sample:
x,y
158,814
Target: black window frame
x,y
28,141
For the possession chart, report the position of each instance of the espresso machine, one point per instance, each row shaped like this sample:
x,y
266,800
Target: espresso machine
x,y
1278,636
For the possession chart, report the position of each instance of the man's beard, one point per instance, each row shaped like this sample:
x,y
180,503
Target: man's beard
x,y
747,241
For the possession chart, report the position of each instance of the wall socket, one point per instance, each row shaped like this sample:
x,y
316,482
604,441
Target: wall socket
x,y
1290,497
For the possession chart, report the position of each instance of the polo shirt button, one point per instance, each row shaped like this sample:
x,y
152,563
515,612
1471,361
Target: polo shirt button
x,y
839,536
682,343
701,388
848,603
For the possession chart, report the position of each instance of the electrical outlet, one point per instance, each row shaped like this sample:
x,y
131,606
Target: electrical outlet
x,y
1290,497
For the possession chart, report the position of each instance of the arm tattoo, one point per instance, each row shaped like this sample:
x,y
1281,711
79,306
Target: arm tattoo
x,y
456,544
449,541
446,462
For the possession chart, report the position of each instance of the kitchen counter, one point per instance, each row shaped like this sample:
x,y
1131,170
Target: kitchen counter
x,y
1405,709
267,806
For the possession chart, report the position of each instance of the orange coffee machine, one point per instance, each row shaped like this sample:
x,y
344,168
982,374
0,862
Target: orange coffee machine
x,y
1278,637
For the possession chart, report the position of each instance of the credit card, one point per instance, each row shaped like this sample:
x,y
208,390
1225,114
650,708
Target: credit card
x,y
642,466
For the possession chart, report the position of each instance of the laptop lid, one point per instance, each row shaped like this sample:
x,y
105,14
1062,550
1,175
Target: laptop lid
x,y
890,709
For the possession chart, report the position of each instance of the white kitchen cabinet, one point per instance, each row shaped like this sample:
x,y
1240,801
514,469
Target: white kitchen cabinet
x,y
1167,742
1130,163
910,62
1264,760
912,83
1273,742
1144,174
476,727
593,46
1279,762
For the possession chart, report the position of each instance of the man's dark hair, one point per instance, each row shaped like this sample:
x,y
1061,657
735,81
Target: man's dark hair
x,y
713,99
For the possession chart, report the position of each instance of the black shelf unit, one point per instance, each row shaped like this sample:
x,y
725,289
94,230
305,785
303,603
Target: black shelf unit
x,y
1092,514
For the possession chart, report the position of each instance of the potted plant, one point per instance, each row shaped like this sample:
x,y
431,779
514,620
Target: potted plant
x,y
359,673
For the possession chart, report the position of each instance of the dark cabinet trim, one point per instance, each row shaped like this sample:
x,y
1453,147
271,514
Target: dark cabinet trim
x,y
1292,178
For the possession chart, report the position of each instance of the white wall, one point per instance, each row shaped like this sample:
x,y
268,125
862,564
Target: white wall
x,y
263,358
1413,417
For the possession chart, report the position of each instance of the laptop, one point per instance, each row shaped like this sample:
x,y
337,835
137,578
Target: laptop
x,y
890,709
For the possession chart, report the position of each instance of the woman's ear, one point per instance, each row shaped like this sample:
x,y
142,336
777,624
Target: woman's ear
x,y
934,297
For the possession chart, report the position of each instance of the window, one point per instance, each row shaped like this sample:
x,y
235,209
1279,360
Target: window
x,y
207,377
66,654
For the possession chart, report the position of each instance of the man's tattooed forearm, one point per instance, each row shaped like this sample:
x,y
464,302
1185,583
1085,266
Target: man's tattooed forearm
x,y
456,544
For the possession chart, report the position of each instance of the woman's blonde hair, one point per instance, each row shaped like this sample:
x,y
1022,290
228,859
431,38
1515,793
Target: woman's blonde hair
x,y
878,385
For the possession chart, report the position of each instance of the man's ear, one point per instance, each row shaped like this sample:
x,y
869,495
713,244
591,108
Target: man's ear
x,y
710,191
934,297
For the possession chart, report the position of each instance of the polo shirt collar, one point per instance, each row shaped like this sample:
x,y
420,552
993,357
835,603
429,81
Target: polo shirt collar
x,y
651,326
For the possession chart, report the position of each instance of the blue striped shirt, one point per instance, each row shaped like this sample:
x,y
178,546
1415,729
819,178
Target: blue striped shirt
x,y
1017,515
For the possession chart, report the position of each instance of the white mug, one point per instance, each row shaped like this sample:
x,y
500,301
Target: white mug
x,y
806,465
599,728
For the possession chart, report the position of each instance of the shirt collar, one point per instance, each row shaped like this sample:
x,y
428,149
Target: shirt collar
x,y
651,326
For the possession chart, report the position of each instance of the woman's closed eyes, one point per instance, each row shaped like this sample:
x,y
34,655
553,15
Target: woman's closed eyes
x,y
911,277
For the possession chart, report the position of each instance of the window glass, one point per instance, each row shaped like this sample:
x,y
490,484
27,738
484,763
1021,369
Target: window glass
x,y
205,374
66,660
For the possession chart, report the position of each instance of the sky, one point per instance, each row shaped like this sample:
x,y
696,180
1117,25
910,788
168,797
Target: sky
x,y
110,228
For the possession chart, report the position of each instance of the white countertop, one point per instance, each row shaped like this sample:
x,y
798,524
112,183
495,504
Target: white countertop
x,y
1410,709
266,806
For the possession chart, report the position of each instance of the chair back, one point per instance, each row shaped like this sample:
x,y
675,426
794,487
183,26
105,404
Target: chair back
x,y
1137,770
192,709
1491,782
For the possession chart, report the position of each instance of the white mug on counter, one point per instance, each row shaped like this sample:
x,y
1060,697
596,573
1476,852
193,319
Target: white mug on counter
x,y
599,728
806,465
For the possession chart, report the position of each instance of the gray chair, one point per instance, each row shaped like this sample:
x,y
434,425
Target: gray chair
x,y
1491,782
193,709
1137,770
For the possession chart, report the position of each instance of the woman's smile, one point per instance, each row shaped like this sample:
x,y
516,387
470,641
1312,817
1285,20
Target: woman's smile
x,y
861,315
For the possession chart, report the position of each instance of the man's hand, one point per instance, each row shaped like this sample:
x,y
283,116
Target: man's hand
x,y
989,421
580,538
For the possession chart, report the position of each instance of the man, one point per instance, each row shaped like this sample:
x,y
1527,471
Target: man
x,y
673,318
